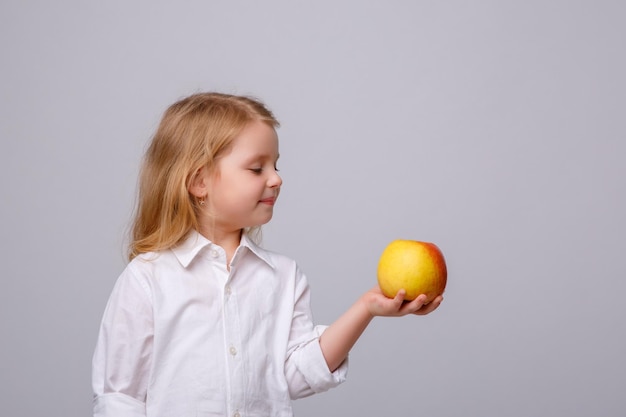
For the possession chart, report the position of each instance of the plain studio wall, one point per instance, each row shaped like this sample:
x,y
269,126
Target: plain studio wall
x,y
494,129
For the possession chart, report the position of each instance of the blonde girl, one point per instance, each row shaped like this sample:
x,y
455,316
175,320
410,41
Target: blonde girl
x,y
203,321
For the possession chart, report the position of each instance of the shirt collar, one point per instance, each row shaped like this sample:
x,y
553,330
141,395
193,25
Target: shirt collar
x,y
193,244
256,249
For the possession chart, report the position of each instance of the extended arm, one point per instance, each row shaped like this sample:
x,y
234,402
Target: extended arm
x,y
341,336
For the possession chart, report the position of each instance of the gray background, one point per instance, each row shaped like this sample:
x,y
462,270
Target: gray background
x,y
495,129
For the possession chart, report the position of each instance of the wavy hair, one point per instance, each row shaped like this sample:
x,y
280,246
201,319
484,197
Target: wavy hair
x,y
193,133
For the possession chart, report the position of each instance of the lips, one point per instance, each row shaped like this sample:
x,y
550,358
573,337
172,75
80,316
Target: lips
x,y
269,201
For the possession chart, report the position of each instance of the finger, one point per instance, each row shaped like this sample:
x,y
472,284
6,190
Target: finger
x,y
399,298
397,301
415,305
430,307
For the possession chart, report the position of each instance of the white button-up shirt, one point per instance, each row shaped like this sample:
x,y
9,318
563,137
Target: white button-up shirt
x,y
182,336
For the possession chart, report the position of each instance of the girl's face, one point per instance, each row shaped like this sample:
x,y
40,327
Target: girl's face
x,y
245,185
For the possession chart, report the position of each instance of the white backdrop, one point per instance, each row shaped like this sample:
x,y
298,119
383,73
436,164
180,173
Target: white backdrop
x,y
494,129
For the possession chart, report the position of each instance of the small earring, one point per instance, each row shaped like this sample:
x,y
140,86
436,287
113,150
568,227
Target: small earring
x,y
201,201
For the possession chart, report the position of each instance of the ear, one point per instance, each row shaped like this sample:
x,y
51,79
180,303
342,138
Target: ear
x,y
199,185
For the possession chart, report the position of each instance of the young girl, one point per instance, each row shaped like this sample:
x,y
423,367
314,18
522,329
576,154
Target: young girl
x,y
203,321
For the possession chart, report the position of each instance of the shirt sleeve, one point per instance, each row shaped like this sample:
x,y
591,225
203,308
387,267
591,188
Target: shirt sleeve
x,y
305,368
122,358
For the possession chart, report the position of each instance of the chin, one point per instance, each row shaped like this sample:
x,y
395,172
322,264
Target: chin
x,y
260,221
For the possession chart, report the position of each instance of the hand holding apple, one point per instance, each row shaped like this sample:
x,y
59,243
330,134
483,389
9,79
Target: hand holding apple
x,y
412,276
378,304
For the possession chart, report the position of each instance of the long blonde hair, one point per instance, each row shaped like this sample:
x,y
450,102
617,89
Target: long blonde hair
x,y
193,133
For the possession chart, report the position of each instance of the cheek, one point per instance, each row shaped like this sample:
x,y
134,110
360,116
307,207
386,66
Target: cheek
x,y
235,192
240,195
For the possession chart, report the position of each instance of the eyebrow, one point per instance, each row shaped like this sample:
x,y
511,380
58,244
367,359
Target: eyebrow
x,y
258,156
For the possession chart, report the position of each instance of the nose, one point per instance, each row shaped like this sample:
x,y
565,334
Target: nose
x,y
274,180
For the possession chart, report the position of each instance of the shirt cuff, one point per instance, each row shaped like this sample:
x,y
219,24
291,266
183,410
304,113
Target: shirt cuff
x,y
118,405
315,369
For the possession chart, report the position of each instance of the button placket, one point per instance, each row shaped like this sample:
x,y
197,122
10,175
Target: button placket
x,y
233,345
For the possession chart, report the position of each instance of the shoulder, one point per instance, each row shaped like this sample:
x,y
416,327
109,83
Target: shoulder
x,y
274,259
147,266
145,270
147,262
284,266
277,257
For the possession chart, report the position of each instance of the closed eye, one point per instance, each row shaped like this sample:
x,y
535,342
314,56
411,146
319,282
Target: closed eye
x,y
260,170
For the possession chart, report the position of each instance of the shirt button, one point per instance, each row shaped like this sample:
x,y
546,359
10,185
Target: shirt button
x,y
227,290
232,350
214,253
236,414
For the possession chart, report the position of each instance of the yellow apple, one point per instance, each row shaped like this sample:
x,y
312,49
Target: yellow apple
x,y
417,267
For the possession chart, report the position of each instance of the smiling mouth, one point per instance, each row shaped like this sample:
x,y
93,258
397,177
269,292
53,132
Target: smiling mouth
x,y
269,201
